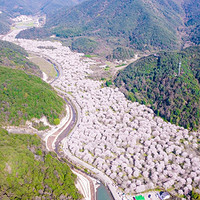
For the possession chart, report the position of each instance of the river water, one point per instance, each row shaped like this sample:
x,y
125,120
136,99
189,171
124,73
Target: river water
x,y
102,193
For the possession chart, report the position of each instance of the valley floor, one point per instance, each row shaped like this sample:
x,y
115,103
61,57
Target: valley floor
x,y
122,143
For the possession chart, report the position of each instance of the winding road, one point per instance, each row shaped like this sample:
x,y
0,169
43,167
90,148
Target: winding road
x,y
56,138
63,133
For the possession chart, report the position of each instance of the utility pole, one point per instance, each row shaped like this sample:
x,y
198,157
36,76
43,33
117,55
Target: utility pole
x,y
179,68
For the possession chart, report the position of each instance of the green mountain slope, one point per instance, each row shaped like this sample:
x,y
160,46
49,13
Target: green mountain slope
x,y
15,57
29,7
139,24
155,81
28,171
24,97
192,9
5,23
51,6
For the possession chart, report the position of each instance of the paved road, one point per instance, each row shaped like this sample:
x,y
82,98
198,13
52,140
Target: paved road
x,y
71,125
59,137
98,174
56,138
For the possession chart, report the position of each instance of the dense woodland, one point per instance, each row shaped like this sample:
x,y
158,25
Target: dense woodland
x,y
131,23
121,53
28,171
192,9
134,24
84,45
24,97
155,81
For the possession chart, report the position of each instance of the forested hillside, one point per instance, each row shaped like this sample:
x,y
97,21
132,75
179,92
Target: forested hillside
x,y
14,56
192,9
24,95
5,22
28,171
155,81
137,24
51,6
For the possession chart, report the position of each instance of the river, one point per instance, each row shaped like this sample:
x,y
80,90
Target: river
x,y
103,193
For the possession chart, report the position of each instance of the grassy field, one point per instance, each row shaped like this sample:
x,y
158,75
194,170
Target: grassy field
x,y
90,56
44,66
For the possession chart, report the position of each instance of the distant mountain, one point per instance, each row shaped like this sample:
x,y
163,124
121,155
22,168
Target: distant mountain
x,y
29,7
51,6
138,24
26,7
132,24
192,10
5,22
156,82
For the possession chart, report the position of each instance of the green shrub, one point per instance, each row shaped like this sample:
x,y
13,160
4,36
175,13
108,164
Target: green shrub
x,y
108,83
56,121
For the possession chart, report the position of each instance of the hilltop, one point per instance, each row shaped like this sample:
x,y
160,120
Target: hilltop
x,y
155,82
